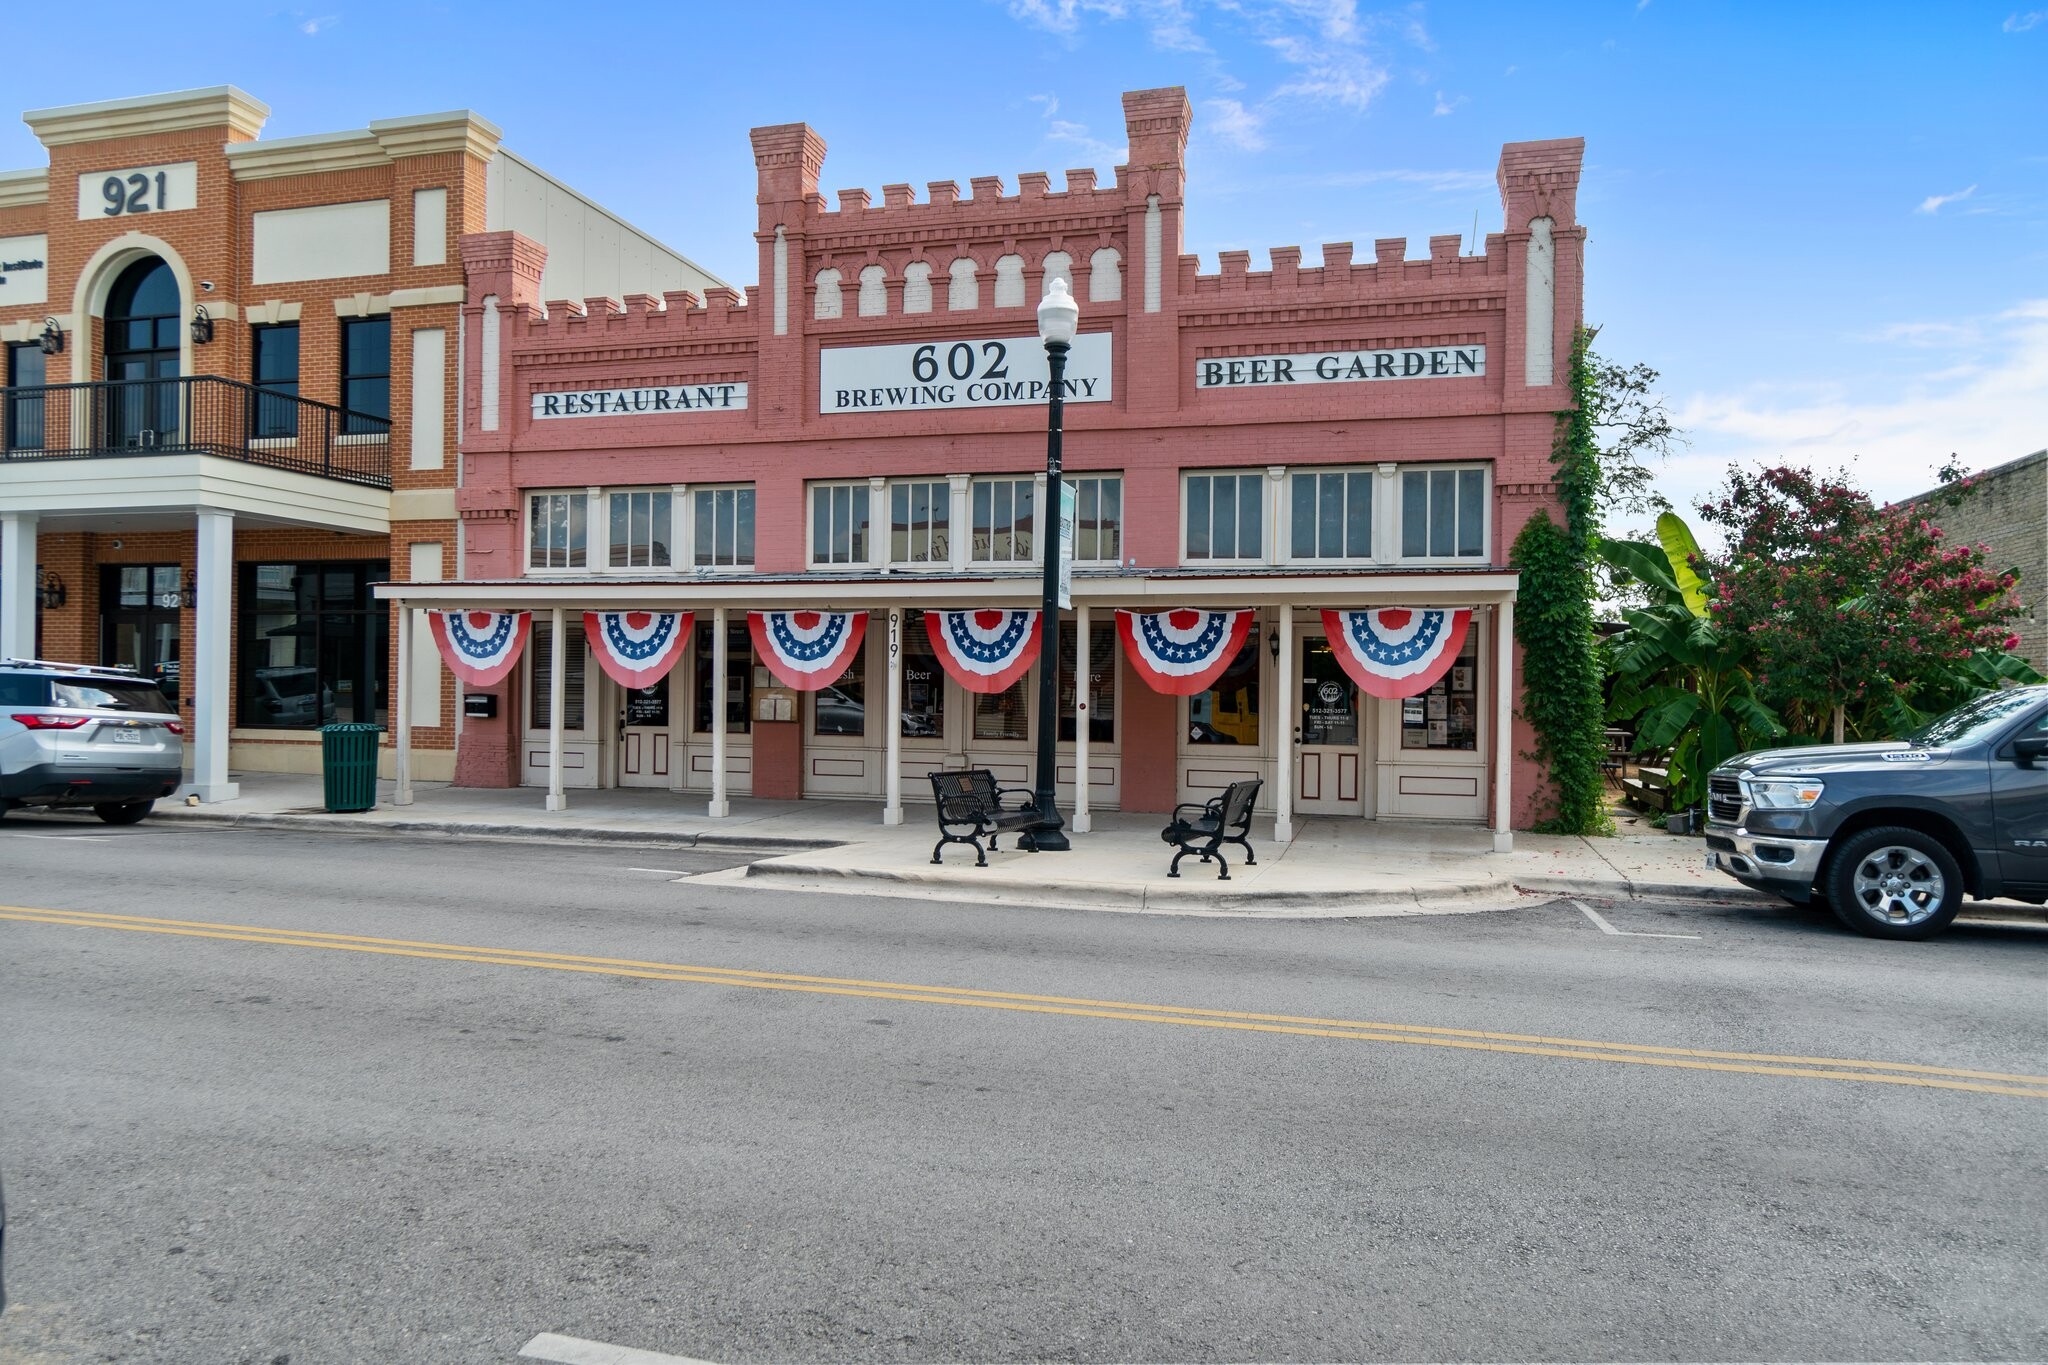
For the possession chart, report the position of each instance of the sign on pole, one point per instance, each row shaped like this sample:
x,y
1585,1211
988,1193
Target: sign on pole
x,y
1066,546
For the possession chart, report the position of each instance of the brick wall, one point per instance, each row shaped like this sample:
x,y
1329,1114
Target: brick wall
x,y
2007,512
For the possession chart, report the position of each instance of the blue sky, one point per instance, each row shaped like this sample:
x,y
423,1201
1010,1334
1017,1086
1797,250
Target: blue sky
x,y
1823,223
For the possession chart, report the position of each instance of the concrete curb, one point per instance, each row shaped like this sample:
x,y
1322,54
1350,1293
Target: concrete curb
x,y
1733,894
738,843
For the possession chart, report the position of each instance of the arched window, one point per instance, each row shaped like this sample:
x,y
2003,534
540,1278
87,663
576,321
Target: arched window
x,y
964,291
1105,276
917,287
874,291
1058,265
828,304
1009,281
142,329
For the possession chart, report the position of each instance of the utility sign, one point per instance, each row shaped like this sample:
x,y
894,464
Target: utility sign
x,y
1066,546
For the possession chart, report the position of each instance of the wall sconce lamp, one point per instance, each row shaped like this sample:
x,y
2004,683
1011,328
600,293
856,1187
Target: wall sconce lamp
x,y
1273,645
52,338
49,589
202,325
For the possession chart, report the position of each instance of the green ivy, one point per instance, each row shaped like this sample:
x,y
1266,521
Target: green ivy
x,y
1562,684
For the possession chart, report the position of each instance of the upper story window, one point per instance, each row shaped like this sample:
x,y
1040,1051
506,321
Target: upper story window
x,y
642,527
724,530
1331,513
26,368
1443,513
276,372
839,523
1005,520
557,531
1098,517
1224,517
366,374
920,517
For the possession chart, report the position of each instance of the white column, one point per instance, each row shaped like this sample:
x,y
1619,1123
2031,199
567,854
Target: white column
x,y
1503,724
892,757
558,687
1289,707
1083,821
209,672
401,768
17,585
720,807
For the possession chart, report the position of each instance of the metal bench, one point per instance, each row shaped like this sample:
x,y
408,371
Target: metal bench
x,y
971,807
1204,829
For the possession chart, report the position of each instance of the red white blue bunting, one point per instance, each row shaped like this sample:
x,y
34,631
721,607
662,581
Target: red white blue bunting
x,y
1398,651
1181,652
984,651
637,648
807,650
480,647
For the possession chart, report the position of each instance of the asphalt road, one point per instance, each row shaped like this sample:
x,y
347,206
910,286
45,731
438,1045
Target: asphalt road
x,y
254,1144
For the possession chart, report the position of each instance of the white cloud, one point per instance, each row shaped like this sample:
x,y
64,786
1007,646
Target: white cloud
x,y
1436,182
1933,202
1063,16
2020,23
1986,408
1072,134
1234,124
1447,106
313,28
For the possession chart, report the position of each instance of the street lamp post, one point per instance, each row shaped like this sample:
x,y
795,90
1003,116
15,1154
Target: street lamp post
x,y
1058,315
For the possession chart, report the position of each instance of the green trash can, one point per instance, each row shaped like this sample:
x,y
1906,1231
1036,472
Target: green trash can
x,y
348,763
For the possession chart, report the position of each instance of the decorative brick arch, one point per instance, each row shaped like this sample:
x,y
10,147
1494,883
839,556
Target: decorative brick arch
x,y
96,282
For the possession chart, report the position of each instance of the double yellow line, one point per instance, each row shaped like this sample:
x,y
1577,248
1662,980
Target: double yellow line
x,y
1350,1030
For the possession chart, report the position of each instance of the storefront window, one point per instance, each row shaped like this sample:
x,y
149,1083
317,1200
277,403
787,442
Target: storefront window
x,y
542,653
1005,714
924,684
1102,651
1099,518
312,644
1004,516
641,526
739,678
1228,713
140,607
1446,716
1224,518
840,707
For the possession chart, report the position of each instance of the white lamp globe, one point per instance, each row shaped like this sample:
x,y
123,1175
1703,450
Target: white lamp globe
x,y
1058,314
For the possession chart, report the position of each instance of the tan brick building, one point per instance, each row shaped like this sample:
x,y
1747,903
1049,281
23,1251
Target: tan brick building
x,y
2007,512
233,380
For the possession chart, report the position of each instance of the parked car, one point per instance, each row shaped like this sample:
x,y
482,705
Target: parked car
x,y
1892,836
74,735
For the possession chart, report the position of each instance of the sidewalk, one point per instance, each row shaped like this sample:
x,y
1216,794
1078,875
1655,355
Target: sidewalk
x,y
1333,867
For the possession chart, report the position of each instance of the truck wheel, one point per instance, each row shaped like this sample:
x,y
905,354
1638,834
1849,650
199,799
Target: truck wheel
x,y
123,812
1892,882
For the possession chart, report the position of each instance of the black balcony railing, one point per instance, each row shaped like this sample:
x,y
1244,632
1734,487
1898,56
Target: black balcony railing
x,y
202,414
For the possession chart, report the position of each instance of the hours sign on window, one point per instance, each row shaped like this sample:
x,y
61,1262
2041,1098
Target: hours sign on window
x,y
132,191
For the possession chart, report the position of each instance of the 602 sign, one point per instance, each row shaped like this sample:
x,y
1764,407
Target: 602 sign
x,y
137,190
960,361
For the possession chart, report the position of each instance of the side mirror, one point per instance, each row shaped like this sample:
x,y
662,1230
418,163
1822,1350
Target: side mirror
x,y
2028,749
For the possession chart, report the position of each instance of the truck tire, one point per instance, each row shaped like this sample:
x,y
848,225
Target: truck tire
x,y
1893,882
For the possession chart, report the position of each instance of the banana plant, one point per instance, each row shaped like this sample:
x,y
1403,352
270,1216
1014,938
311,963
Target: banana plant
x,y
1688,685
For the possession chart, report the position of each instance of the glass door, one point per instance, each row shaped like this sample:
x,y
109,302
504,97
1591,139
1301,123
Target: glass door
x,y
140,607
142,357
1329,762
644,734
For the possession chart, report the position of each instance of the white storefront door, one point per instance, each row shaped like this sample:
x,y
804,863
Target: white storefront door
x,y
645,717
1329,733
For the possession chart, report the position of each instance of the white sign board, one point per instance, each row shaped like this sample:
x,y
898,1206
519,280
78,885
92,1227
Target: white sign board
x,y
1066,546
1341,367
641,402
1009,372
24,270
134,191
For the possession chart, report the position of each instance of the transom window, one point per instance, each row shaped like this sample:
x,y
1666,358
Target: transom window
x,y
557,531
1443,513
920,515
1224,517
725,527
642,525
1099,517
839,523
1005,520
1331,513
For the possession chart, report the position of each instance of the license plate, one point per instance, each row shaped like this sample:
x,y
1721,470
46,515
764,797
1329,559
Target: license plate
x,y
127,736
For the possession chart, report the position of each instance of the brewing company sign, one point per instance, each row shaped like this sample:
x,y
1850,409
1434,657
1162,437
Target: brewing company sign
x,y
1008,372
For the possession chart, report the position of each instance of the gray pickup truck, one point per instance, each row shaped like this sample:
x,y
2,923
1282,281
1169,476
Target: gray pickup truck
x,y
1892,836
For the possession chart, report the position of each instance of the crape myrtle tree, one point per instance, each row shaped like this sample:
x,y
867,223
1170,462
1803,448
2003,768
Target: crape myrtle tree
x,y
1861,619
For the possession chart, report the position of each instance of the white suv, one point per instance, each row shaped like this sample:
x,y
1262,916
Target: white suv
x,y
75,735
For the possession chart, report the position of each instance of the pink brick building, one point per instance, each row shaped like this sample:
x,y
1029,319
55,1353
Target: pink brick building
x,y
860,433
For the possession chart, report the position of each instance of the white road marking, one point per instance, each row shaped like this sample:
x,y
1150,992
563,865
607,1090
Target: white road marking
x,y
577,1351
1606,928
67,838
664,871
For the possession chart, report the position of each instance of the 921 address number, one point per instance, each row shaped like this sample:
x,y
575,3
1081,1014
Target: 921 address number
x,y
133,194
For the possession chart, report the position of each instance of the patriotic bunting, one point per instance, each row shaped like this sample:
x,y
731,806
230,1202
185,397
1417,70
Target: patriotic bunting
x,y
1181,652
807,649
480,647
984,651
1399,651
637,648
